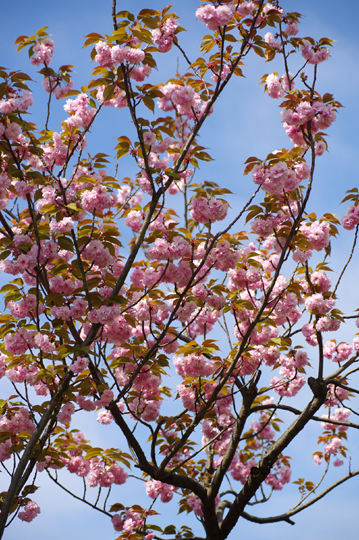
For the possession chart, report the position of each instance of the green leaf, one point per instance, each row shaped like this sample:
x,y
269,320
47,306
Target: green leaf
x,y
108,93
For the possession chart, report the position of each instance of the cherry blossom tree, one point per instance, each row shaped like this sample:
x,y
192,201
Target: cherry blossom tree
x,y
112,296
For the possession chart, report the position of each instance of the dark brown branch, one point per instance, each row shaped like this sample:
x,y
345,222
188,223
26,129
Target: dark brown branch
x,y
259,473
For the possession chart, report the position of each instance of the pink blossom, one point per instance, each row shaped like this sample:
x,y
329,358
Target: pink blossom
x,y
86,404
277,480
274,88
317,233
30,512
117,522
78,466
317,303
79,365
81,112
139,74
104,417
292,28
320,148
106,398
193,365
12,131
19,342
333,446
66,412
269,39
291,386
63,226
327,324
78,307
103,56
155,488
97,199
44,343
97,253
215,16
196,504
134,220
163,35
351,218
62,312
119,100
340,415
5,450
313,53
43,52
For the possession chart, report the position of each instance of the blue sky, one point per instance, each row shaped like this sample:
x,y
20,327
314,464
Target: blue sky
x,y
245,123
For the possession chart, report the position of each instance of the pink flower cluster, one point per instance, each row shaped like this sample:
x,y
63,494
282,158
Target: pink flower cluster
x,y
79,365
111,57
63,286
269,39
351,218
13,103
291,386
164,250
19,342
333,447
240,471
163,35
322,115
320,280
336,394
194,365
264,430
25,308
30,512
81,112
317,233
52,84
213,17
63,226
313,53
44,343
340,415
337,353
279,177
155,488
97,253
277,480
67,410
119,101
77,465
183,98
316,302
196,505
64,313
17,420
274,87
53,154
12,130
105,476
327,324
5,450
129,522
97,199
292,28
42,52
205,210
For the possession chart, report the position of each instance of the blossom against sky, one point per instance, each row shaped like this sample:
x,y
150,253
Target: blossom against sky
x,y
246,122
